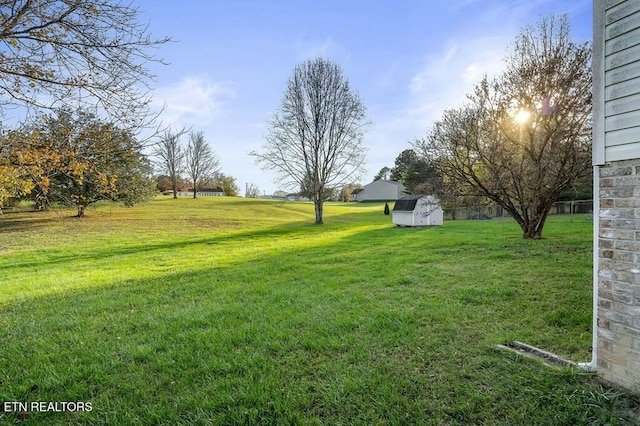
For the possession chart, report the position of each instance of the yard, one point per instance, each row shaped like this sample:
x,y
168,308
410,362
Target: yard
x,y
236,311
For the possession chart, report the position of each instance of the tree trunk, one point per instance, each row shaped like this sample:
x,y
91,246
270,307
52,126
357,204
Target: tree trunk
x,y
80,211
174,188
40,203
318,208
194,192
533,227
530,233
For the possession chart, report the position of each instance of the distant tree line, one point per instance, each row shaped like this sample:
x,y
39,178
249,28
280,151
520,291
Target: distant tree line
x,y
77,158
92,55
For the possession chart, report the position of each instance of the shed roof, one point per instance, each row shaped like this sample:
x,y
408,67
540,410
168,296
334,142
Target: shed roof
x,y
406,204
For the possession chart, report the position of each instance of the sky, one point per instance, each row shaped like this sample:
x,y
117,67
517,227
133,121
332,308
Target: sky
x,y
409,60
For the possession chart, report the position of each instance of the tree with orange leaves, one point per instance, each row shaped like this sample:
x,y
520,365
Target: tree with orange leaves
x,y
77,159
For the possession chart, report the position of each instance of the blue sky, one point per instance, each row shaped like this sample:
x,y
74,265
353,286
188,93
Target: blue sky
x,y
408,59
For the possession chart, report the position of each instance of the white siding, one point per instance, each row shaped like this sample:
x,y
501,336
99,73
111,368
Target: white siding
x,y
402,218
616,91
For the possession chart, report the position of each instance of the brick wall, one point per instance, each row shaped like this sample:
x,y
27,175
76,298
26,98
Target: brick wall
x,y
619,274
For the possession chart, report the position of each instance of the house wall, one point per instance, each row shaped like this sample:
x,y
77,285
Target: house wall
x,y
616,65
618,350
381,190
616,152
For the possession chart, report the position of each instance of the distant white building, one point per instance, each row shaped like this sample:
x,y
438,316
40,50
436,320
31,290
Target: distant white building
x,y
417,211
297,197
204,192
381,190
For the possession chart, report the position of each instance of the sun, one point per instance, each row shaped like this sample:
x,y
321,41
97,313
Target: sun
x,y
522,116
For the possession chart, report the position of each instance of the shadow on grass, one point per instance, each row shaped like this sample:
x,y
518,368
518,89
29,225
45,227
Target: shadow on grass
x,y
288,230
381,325
24,222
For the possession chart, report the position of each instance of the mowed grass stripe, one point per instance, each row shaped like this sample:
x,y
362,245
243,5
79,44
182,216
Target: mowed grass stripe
x,y
228,311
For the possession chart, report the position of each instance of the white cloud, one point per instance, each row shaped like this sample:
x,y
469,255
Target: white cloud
x,y
193,101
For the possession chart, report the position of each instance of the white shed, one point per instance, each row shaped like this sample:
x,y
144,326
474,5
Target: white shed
x,y
417,211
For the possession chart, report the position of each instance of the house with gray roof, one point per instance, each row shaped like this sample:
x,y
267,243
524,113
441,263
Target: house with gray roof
x,y
382,190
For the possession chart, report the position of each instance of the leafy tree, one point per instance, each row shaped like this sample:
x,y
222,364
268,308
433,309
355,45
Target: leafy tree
x,y
80,159
163,183
523,138
94,51
228,185
403,161
413,171
383,174
34,156
201,161
420,172
171,158
347,190
12,184
135,184
580,189
317,132
27,163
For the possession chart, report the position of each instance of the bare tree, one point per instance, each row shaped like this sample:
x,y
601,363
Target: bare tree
x,y
201,162
525,137
251,191
317,132
92,51
170,157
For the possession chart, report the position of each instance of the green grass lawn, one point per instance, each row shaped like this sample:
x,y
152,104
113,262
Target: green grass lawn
x,y
234,311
